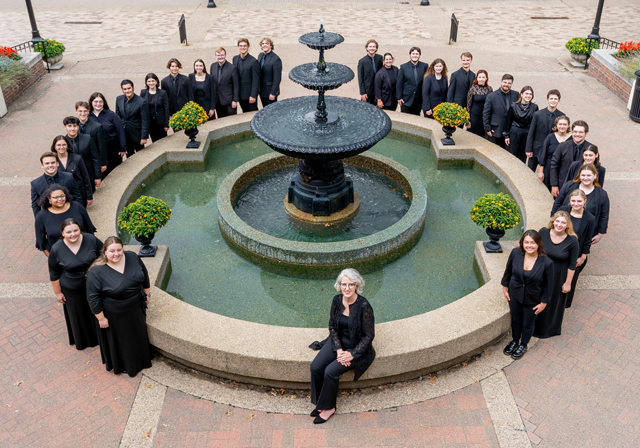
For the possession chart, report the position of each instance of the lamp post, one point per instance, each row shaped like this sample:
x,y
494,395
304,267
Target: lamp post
x,y
595,32
211,4
34,28
424,3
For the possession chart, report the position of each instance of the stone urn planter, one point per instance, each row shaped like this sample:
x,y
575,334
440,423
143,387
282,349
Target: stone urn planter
x,y
448,135
579,57
493,245
52,60
146,249
191,133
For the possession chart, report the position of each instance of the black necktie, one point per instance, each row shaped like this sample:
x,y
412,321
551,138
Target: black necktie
x,y
52,179
126,107
83,127
219,72
373,64
507,103
264,56
415,73
74,144
550,121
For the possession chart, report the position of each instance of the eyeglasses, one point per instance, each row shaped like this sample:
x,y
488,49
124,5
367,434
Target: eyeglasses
x,y
348,285
55,198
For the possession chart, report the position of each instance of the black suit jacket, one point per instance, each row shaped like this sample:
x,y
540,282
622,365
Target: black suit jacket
x,y
585,232
538,287
561,161
539,130
495,111
39,185
459,86
95,130
76,166
162,106
249,76
209,102
384,90
366,74
433,92
601,199
271,74
136,118
179,96
90,154
228,86
406,87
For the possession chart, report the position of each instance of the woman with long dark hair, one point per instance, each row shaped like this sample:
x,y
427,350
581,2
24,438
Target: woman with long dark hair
x,y
526,283
73,163
118,291
475,102
434,87
69,261
113,128
518,122
203,87
559,135
158,102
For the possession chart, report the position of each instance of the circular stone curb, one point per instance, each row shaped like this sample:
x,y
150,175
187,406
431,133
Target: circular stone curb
x,y
370,252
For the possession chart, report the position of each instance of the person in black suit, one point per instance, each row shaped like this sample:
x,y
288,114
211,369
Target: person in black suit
x,y
249,76
94,130
518,122
134,113
227,84
495,110
541,126
409,83
590,156
434,87
83,145
368,66
271,72
113,129
385,84
527,285
203,86
158,102
566,153
69,162
49,164
461,81
177,86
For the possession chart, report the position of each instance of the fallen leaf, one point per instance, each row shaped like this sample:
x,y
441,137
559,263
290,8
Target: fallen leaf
x,y
250,416
486,352
9,404
88,362
415,384
293,397
85,374
148,386
233,383
405,195
464,364
165,425
229,413
17,383
476,378
282,391
433,378
94,394
146,435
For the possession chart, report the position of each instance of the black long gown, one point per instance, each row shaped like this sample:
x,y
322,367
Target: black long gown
x,y
475,105
70,269
48,225
124,345
564,256
544,158
584,228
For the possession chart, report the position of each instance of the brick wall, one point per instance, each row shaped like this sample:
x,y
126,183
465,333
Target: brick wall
x,y
36,73
614,82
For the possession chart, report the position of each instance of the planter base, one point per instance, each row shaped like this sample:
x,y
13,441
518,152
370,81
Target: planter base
x,y
146,249
493,246
56,66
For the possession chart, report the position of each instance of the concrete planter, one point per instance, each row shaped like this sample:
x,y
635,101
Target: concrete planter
x,y
603,66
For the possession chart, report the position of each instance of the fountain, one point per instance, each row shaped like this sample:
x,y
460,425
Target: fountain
x,y
338,128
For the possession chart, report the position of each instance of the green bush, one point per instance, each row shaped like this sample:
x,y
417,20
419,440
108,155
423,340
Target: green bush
x,y
145,216
496,211
11,72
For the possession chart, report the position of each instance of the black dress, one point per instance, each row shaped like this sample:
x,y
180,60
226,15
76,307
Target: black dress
x,y
516,127
48,225
584,228
71,269
564,256
475,105
434,93
544,158
124,345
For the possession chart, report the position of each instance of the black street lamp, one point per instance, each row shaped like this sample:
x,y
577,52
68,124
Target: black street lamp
x,y
34,28
424,3
595,32
211,4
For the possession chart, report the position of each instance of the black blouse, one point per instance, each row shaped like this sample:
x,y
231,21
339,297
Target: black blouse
x,y
519,116
563,252
113,127
48,225
63,262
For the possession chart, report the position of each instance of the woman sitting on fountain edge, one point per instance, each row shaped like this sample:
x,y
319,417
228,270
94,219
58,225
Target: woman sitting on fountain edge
x,y
351,332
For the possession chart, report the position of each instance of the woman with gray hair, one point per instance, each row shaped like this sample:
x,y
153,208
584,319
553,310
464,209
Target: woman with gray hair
x,y
351,332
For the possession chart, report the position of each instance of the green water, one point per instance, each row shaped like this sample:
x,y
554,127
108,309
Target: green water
x,y
208,274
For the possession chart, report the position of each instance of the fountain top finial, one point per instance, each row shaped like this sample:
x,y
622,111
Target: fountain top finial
x,y
321,40
321,29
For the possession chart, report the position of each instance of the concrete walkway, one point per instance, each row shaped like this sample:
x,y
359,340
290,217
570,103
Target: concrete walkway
x,y
578,389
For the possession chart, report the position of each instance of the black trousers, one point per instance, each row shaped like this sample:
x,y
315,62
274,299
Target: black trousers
x,y
113,159
497,140
225,111
247,106
266,101
533,163
518,142
393,106
156,131
574,282
133,146
325,376
414,109
522,321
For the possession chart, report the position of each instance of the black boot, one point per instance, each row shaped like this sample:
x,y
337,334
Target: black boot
x,y
510,348
519,352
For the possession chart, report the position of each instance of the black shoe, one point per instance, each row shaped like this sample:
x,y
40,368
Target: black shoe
x,y
519,352
314,413
510,348
319,420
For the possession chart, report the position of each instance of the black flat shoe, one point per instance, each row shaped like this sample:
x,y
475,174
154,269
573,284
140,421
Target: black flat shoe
x,y
314,413
319,420
519,352
510,348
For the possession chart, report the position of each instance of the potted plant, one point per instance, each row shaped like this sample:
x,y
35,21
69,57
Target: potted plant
x,y
450,115
580,48
496,213
142,219
189,118
52,50
8,52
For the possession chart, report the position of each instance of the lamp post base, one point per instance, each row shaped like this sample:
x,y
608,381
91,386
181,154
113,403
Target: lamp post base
x,y
211,4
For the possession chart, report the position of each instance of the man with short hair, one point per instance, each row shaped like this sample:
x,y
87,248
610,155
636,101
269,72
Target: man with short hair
x,y
225,78
83,145
368,66
566,153
461,81
133,110
49,163
541,125
409,83
94,130
248,75
270,72
177,86
495,110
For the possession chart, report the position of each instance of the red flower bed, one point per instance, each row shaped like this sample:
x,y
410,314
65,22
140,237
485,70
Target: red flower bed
x,y
9,52
628,48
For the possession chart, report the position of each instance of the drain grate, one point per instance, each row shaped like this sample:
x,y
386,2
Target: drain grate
x,y
83,23
550,18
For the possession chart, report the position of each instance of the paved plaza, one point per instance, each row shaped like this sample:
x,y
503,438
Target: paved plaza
x,y
575,390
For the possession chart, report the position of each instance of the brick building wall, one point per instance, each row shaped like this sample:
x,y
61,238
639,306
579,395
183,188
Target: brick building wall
x,y
36,73
600,70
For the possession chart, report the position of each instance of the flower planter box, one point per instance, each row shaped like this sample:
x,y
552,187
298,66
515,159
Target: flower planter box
x,y
36,72
602,66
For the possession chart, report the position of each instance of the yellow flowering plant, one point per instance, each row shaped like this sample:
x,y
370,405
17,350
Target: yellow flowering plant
x,y
450,114
144,217
50,48
496,211
189,117
580,45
